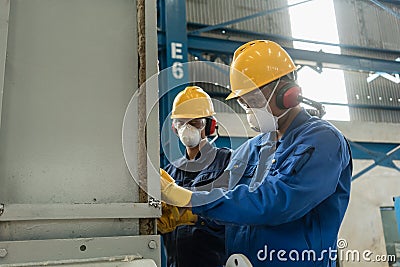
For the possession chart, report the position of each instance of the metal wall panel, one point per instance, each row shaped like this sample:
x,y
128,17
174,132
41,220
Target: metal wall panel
x,y
214,12
363,23
95,252
64,100
50,229
70,72
379,92
218,91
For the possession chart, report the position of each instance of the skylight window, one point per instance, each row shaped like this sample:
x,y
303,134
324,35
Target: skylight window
x,y
316,20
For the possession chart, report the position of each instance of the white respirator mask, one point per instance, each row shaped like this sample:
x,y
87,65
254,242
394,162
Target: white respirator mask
x,y
261,119
189,130
189,135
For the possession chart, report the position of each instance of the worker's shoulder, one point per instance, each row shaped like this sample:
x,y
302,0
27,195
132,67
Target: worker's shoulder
x,y
324,129
224,149
319,132
223,153
175,165
169,168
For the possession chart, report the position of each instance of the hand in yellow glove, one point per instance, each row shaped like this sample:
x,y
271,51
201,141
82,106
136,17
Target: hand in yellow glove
x,y
172,193
173,217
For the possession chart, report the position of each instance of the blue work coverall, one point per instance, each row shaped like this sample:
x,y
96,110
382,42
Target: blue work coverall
x,y
298,202
202,244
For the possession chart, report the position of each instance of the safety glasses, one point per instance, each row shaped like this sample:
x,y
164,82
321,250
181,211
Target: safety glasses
x,y
256,98
198,123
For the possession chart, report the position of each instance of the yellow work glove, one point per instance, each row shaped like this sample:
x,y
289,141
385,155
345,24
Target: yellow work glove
x,y
172,193
173,217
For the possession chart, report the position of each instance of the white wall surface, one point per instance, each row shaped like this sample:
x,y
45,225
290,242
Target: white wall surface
x,y
362,226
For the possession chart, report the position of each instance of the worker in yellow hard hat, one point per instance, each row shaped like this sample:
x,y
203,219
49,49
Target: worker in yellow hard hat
x,y
193,118
289,185
195,240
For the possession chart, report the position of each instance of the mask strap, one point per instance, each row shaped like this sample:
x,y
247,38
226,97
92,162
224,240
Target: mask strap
x,y
273,90
216,136
284,113
214,139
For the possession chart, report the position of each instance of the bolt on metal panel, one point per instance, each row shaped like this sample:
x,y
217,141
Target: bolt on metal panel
x,y
80,251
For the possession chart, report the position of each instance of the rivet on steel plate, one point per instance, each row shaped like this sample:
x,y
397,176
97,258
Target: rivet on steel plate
x,y
3,252
152,244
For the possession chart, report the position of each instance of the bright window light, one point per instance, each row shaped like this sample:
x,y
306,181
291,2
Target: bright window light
x,y
316,20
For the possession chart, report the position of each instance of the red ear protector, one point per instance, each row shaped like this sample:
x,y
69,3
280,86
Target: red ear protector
x,y
174,129
288,96
211,126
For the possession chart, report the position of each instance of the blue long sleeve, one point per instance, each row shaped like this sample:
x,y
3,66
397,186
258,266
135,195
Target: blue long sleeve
x,y
296,184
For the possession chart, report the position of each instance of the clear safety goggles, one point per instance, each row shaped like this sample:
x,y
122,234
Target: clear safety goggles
x,y
256,98
198,123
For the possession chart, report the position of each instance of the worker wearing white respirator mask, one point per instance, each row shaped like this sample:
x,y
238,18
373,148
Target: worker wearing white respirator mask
x,y
259,116
191,237
190,131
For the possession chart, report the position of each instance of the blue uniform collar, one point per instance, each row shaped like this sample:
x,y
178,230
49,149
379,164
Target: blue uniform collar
x,y
265,139
300,119
204,158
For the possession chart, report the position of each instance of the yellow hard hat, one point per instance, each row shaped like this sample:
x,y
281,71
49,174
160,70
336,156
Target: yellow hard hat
x,y
257,63
192,103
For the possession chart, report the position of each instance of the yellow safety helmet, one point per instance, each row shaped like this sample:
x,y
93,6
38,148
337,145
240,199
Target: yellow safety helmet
x,y
257,63
192,103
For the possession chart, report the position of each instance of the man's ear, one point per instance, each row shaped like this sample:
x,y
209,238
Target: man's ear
x,y
203,133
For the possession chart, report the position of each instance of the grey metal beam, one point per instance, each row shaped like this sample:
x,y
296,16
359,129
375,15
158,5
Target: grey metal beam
x,y
100,261
80,250
380,160
152,107
343,62
26,212
231,33
4,17
302,57
173,22
364,106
